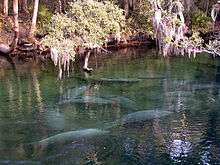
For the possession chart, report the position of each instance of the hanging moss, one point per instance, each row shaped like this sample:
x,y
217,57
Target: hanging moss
x,y
87,24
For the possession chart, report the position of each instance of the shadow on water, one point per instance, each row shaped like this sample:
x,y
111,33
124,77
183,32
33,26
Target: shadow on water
x,y
155,111
8,60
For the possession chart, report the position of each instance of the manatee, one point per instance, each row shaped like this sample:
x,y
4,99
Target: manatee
x,y
120,100
71,135
113,80
137,118
20,162
142,116
204,86
78,91
177,93
125,102
121,80
152,78
18,123
73,93
89,99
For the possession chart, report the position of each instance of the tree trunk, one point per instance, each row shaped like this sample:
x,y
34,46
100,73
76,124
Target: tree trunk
x,y
86,63
24,6
126,7
5,7
64,4
59,6
188,6
34,19
4,48
16,25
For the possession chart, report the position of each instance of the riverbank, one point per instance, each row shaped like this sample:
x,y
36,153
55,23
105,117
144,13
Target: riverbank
x,y
72,38
27,49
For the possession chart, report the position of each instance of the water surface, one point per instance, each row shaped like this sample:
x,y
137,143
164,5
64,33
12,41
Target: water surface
x,y
102,112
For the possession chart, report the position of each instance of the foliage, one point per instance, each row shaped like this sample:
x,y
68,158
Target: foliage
x,y
200,21
87,24
141,19
6,24
44,18
196,40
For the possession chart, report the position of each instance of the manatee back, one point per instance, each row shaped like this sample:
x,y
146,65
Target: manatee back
x,y
142,116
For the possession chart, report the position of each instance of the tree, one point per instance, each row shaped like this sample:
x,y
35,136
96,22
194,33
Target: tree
x,y
5,7
61,6
128,6
4,48
86,26
24,6
16,25
34,19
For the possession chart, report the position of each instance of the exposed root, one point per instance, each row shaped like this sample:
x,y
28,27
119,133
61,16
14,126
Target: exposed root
x,y
85,67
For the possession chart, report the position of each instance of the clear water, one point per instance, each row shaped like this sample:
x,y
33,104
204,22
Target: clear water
x,y
84,119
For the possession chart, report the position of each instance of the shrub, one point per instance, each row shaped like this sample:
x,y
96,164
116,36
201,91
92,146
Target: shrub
x,y
200,21
44,18
87,24
140,20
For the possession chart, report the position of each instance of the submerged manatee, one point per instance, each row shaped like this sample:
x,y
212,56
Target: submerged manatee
x,y
113,80
71,135
137,118
198,87
121,80
125,102
72,93
152,78
20,162
113,100
90,100
142,116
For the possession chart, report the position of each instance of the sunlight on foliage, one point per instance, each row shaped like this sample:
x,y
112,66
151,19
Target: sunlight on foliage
x,y
44,18
87,24
200,21
140,20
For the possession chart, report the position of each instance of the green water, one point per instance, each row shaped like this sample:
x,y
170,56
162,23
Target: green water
x,y
117,101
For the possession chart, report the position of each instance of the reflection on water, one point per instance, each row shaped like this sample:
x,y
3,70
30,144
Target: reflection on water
x,y
151,110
